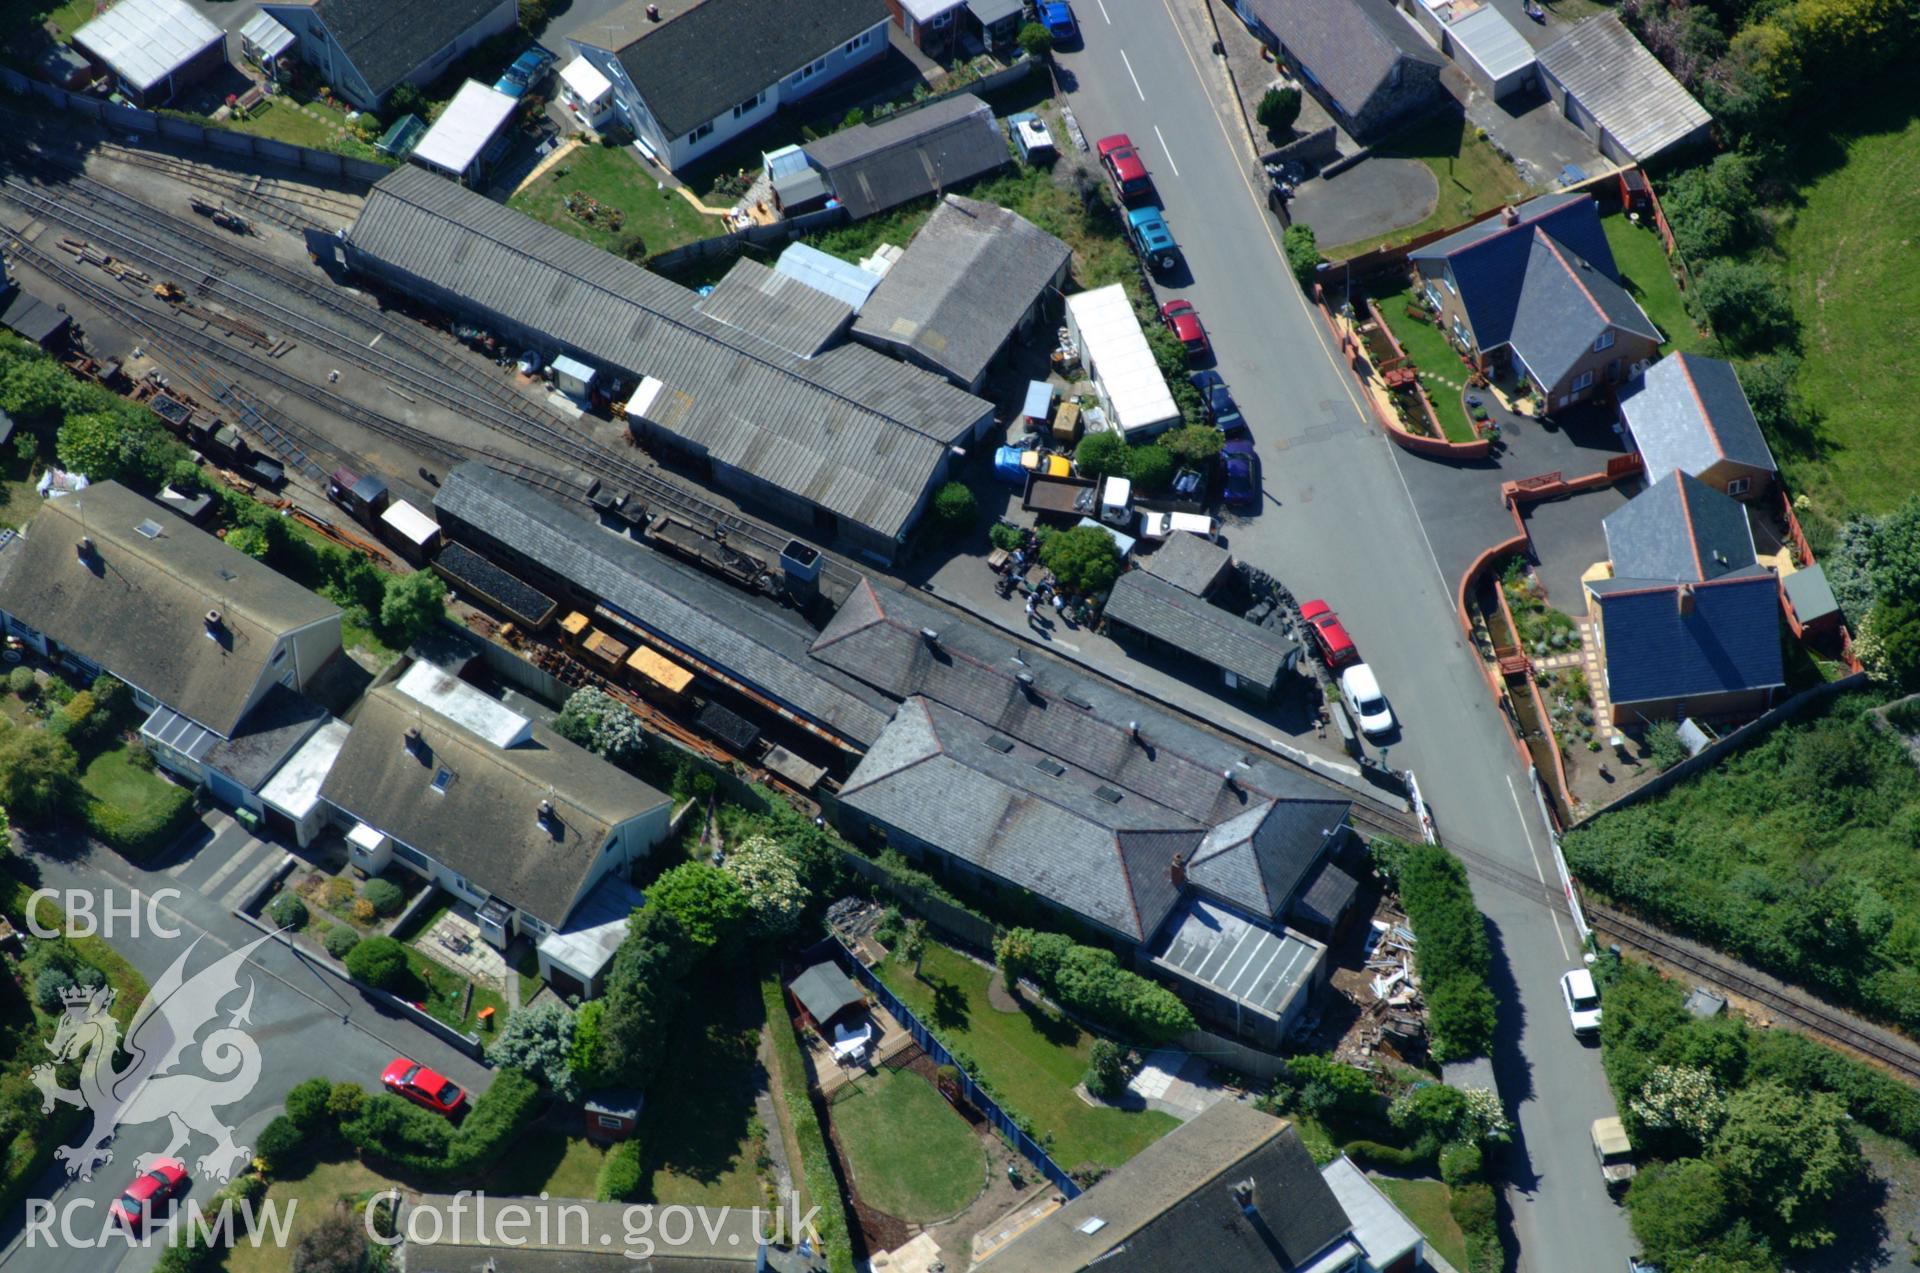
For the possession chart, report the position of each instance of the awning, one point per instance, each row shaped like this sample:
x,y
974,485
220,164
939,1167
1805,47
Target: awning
x,y
265,36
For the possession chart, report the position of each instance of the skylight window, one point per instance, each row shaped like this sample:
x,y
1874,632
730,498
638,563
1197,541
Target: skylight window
x,y
149,528
442,780
1048,765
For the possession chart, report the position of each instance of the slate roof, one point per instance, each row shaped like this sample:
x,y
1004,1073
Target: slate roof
x,y
704,58
1679,529
963,286
1811,594
388,40
759,645
485,825
32,318
1326,895
1688,412
1622,85
1730,641
1172,1206
138,606
853,431
1350,46
1566,304
1260,859
873,167
1188,562
825,992
777,308
1149,604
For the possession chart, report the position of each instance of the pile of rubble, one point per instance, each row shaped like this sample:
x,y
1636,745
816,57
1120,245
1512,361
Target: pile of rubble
x,y
1392,1017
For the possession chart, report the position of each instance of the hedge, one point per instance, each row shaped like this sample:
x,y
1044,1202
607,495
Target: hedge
x,y
139,835
1090,981
620,1173
390,1128
1371,1153
1451,951
816,1168
1477,1212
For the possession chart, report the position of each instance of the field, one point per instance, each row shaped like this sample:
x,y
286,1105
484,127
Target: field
x,y
1854,275
1032,1058
910,1154
651,219
1472,176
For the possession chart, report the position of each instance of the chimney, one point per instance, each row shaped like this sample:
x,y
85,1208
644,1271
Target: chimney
x,y
412,742
1026,682
1510,215
545,816
1242,1191
85,548
1177,872
653,13
1685,598
1226,776
213,620
931,636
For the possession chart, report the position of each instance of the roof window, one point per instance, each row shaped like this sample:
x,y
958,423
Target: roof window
x,y
442,779
1048,765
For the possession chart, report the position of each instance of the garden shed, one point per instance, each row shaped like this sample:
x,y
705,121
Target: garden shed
x,y
153,48
614,1113
826,996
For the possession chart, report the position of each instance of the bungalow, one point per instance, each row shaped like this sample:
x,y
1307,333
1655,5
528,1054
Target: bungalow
x,y
501,812
215,646
367,48
689,76
1689,415
1535,289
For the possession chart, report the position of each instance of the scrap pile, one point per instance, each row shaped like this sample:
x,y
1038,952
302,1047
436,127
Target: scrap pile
x,y
1391,1021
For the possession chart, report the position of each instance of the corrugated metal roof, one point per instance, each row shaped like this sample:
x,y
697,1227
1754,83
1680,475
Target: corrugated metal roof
x,y
918,152
776,308
144,41
1623,87
852,431
466,128
1492,42
829,274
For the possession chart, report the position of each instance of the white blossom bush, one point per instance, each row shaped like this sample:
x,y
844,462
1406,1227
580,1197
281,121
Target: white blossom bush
x,y
1682,1098
770,878
1487,1118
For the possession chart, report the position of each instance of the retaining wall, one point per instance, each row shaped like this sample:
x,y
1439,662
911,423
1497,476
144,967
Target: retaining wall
x,y
752,236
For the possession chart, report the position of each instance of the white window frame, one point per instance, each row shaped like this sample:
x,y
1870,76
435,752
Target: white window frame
x,y
609,1121
1739,485
1605,341
751,105
1582,382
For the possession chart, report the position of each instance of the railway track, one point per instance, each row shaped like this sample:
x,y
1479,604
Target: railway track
x,y
296,208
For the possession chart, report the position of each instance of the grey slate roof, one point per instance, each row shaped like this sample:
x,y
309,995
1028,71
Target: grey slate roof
x,y
485,824
757,644
138,606
1566,304
387,40
1656,650
825,992
1679,529
1172,1206
1623,87
1260,859
704,58
963,286
1326,895
1151,605
1688,413
1811,594
777,308
1188,562
873,167
1350,46
853,431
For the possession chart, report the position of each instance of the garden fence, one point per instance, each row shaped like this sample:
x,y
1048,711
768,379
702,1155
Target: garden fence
x,y
1027,1146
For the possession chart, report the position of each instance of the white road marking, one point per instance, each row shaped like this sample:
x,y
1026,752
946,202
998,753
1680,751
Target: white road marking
x,y
1103,11
1537,868
1166,150
1133,77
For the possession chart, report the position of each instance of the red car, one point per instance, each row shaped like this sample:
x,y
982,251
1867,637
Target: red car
x,y
1183,320
422,1086
158,1183
1336,647
1125,168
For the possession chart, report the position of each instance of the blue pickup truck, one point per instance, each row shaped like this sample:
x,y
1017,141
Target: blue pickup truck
x,y
1147,231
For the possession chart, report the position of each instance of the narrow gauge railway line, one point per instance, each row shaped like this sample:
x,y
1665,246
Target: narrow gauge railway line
x,y
450,384
280,201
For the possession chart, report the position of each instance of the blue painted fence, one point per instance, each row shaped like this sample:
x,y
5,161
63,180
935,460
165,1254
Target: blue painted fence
x,y
1026,1145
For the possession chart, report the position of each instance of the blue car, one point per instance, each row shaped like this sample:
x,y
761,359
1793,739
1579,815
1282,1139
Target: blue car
x,y
524,73
1240,466
1057,17
1216,402
1147,231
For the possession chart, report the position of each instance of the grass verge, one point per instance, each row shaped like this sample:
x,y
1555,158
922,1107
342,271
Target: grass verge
x,y
340,1179
550,1162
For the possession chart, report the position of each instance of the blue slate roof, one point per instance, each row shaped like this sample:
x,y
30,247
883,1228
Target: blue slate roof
x,y
1566,304
1688,413
1679,530
1657,649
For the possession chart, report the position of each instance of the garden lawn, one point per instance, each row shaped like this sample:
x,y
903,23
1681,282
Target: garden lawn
x,y
1428,348
310,1194
1033,1060
282,120
1642,261
442,991
703,1139
1854,274
547,1161
654,219
910,1153
1428,1203
1472,176
113,778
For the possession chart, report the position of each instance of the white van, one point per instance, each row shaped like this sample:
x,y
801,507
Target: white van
x,y
1161,525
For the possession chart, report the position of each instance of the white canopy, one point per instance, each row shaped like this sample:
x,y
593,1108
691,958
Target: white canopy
x,y
265,36
465,128
583,78
145,41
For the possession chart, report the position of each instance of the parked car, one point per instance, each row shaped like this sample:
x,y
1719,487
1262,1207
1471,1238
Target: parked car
x,y
1240,466
1362,691
1147,231
1614,1152
1031,138
1216,401
423,1086
1329,634
1183,320
524,73
1583,1001
1125,168
1057,17
167,1177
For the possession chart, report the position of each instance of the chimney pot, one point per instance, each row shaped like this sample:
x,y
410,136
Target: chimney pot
x,y
1685,598
1510,215
85,547
213,618
930,635
653,13
1177,872
1025,678
413,737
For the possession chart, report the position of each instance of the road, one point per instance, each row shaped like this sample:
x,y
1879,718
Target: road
x,y
304,1021
1338,522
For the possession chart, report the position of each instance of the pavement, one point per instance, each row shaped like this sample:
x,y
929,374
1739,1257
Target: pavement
x,y
303,1020
1376,196
1339,520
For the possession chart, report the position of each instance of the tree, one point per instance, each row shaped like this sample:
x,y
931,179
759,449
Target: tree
x,y
1745,306
954,506
1303,254
280,1142
588,1057
913,943
1106,1075
1102,454
337,1244
770,879
1787,1154
539,1041
602,724
1279,107
1461,1016
645,988
1711,208
1664,744
1768,384
89,442
411,604
1681,1099
380,961
1082,558
39,774
1193,443
1889,643
406,99
37,386
1036,40
1150,467
250,540
1677,1208
709,903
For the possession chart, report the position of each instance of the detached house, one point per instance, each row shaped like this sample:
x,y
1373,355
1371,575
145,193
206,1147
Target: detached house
x,y
215,646
1367,64
1689,622
1534,289
367,48
1689,415
689,76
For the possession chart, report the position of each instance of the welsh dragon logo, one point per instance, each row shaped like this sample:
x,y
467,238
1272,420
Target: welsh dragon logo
x,y
147,1088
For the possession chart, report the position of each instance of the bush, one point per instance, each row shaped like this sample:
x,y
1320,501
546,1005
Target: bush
x,y
337,1244
381,962
336,891
387,897
954,506
23,682
1107,1069
1193,443
1150,467
1004,535
362,911
287,911
399,1131
495,1122
1371,1153
1090,981
307,1104
1451,954
1745,306
345,1100
1102,454
1035,40
1083,558
1303,254
49,987
137,834
1460,1164
1477,1211
1664,745
620,1173
1278,109
280,1143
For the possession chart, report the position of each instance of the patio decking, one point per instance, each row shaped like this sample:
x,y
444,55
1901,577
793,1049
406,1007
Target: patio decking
x,y
829,1075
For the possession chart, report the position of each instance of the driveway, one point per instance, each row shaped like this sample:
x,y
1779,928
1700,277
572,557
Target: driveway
x,y
1568,538
1375,196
